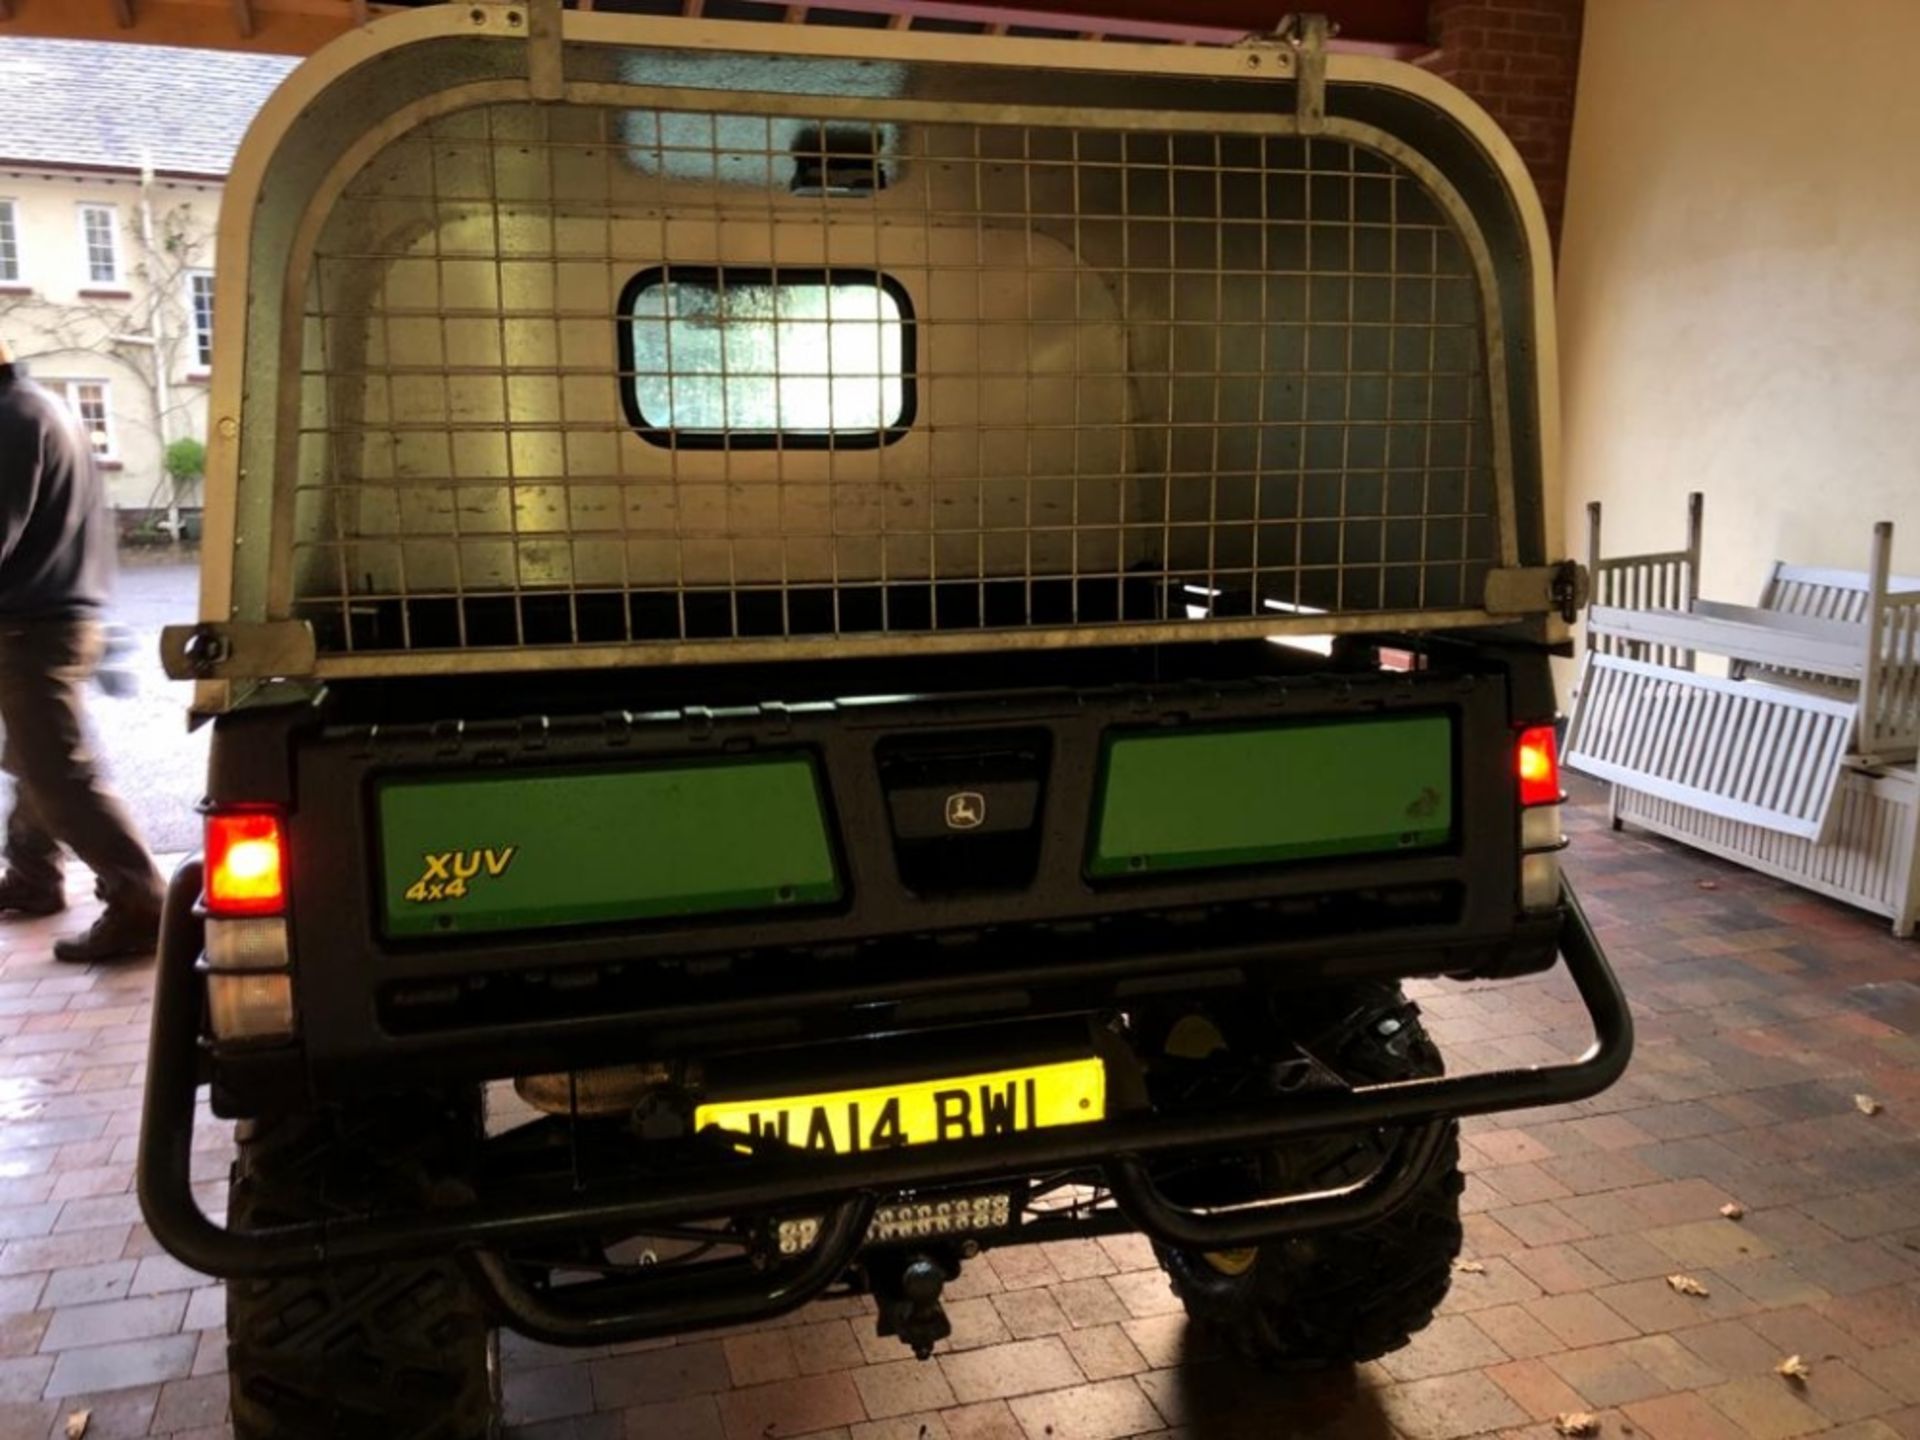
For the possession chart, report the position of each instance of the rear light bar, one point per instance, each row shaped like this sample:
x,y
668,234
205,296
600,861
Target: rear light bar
x,y
249,987
1536,765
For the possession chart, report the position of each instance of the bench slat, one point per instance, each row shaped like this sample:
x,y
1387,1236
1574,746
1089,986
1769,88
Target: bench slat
x,y
1832,649
1740,749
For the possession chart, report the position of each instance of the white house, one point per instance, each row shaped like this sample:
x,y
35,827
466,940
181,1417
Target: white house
x,y
111,163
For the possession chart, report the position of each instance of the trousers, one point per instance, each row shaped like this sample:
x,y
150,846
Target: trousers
x,y
59,793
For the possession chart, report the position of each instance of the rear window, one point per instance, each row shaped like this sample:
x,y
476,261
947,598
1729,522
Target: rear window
x,y
726,356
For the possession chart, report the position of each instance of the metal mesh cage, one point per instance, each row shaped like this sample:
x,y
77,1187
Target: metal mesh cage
x,y
582,375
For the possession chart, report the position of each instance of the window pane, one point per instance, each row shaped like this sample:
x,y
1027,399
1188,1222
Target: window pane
x,y
89,401
96,223
9,243
738,353
200,295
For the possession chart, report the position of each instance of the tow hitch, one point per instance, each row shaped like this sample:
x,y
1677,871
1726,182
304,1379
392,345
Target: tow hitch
x,y
909,1297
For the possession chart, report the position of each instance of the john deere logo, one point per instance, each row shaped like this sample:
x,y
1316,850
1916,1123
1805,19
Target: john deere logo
x,y
966,810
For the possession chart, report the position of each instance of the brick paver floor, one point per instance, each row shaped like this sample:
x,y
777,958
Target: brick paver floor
x,y
1763,1014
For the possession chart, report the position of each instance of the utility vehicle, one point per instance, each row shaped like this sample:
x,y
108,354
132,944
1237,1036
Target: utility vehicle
x,y
832,647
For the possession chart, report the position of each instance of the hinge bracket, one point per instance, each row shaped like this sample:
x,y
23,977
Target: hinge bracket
x,y
259,650
1308,36
1531,589
546,73
539,24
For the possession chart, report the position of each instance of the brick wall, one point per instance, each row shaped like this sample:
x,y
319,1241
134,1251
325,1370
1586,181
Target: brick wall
x,y
1520,59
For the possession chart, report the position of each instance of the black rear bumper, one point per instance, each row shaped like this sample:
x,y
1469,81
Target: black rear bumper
x,y
844,1190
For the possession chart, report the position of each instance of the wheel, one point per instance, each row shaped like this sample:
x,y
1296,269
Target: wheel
x,y
1337,1297
401,1351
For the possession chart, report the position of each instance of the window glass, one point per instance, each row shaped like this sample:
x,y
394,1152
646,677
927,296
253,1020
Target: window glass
x,y
88,401
200,308
759,357
9,242
97,230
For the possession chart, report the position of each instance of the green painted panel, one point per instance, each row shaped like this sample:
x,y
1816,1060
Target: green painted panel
x,y
534,850
1201,799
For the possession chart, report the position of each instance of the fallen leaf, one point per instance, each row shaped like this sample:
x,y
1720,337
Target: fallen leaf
x,y
1794,1369
1866,1105
1686,1285
1469,1267
77,1423
1577,1422
1734,1210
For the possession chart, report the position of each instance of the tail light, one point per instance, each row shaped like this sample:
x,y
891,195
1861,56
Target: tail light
x,y
246,863
249,986
1536,764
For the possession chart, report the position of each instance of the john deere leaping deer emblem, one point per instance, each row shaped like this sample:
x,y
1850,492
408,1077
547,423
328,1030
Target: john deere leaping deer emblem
x,y
966,810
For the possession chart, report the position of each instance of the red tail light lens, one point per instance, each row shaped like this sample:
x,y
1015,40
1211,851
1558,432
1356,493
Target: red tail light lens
x,y
1537,761
246,864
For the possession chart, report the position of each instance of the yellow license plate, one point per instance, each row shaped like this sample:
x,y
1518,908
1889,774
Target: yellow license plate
x,y
999,1102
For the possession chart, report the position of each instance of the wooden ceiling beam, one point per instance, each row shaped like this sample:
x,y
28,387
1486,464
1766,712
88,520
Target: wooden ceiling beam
x,y
278,27
298,27
1393,22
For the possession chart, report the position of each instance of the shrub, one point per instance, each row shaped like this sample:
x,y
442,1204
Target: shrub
x,y
186,462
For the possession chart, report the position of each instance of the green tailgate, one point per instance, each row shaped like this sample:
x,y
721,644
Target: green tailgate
x,y
1197,799
530,851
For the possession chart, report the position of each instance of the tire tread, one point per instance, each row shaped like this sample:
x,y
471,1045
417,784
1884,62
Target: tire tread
x,y
1333,1298
396,1351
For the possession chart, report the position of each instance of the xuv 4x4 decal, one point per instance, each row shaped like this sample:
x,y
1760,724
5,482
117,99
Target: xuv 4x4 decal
x,y
449,872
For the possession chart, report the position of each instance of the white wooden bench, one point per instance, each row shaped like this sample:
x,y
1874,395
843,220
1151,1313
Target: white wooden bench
x,y
1797,762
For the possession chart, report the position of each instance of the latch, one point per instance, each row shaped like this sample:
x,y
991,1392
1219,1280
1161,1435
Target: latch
x,y
1531,589
965,808
261,650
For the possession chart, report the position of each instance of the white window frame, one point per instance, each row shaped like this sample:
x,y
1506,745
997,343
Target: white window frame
x,y
112,212
11,271
201,339
69,387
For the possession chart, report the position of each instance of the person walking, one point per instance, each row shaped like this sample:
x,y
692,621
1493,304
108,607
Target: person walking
x,y
56,568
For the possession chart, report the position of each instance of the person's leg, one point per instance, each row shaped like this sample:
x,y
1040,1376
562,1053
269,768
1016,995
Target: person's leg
x,y
32,883
46,728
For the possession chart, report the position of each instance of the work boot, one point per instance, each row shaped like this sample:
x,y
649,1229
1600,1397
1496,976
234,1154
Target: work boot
x,y
19,900
119,934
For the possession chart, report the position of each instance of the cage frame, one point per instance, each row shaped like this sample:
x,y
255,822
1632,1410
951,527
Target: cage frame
x,y
246,635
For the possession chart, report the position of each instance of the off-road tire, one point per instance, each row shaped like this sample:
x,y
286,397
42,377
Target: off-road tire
x,y
398,1351
1340,1297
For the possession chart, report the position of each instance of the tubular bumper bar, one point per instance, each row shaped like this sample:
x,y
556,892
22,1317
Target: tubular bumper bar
x,y
843,1190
